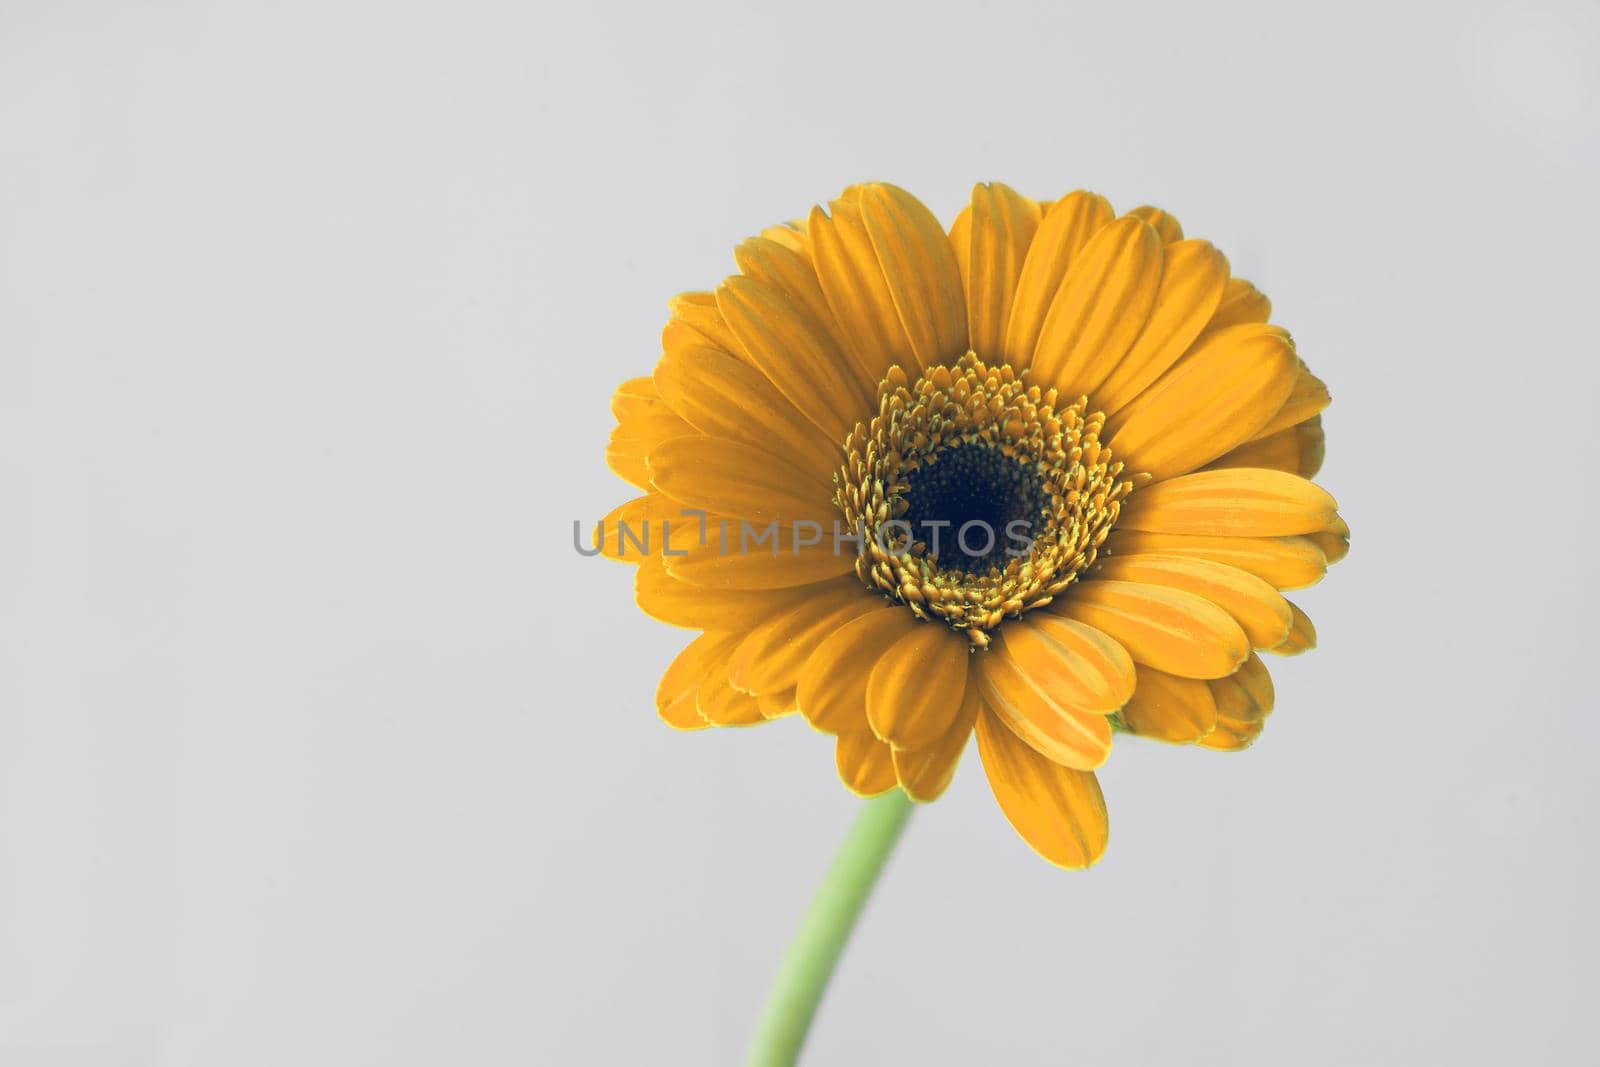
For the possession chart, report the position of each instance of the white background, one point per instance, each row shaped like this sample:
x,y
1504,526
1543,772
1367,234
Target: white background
x,y
319,745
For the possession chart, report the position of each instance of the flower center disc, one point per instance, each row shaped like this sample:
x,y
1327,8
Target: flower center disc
x,y
978,495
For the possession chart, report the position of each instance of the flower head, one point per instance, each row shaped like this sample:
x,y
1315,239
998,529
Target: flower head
x,y
1040,479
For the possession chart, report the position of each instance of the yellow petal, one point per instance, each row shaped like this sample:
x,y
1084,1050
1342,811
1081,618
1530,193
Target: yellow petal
x,y
1313,445
1308,398
1231,735
1164,223
1002,225
675,694
1247,694
1302,635
1063,231
720,704
636,396
857,292
721,396
723,476
1169,708
647,526
915,690
1333,540
1244,700
1102,305
866,765
663,597
1243,502
740,556
961,241
1169,629
1281,562
788,270
1281,451
695,320
798,355
920,268
1193,278
1037,712
924,773
628,450
1058,811
777,705
1264,615
1217,397
791,235
832,687
770,658
1079,666
1241,303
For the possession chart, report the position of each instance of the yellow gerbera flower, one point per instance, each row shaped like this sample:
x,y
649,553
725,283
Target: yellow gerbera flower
x,y
1041,479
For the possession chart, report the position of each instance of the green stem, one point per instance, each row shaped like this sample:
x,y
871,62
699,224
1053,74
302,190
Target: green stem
x,y
809,962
